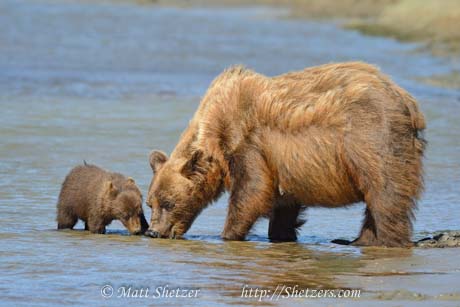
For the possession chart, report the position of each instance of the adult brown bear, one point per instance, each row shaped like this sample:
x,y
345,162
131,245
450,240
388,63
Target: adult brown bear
x,y
328,136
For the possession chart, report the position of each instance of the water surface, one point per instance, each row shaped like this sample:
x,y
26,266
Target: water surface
x,y
108,82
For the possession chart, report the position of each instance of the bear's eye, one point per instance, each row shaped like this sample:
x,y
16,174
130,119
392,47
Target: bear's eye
x,y
167,205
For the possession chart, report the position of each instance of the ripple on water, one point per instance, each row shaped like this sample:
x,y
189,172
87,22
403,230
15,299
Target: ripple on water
x,y
112,84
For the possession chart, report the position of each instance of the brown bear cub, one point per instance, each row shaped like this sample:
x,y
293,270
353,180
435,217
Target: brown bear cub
x,y
98,197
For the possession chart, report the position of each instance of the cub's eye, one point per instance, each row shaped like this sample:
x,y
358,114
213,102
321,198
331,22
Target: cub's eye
x,y
167,205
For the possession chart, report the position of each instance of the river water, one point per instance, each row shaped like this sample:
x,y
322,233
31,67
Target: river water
x,y
107,82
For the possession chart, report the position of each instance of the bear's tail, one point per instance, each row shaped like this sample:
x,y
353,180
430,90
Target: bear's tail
x,y
418,122
413,157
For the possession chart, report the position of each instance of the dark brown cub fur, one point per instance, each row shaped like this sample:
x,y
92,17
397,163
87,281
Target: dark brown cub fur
x,y
98,197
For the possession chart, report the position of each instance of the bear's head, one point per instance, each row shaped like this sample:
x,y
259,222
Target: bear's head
x,y
180,189
125,204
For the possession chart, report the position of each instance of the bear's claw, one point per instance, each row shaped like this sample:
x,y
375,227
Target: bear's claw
x,y
152,234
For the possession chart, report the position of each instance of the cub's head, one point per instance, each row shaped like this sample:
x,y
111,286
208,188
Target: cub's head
x,y
125,204
180,189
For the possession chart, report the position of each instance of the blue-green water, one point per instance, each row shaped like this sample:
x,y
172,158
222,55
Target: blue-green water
x,y
108,82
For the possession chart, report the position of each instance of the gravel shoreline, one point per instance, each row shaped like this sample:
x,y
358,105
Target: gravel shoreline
x,y
440,240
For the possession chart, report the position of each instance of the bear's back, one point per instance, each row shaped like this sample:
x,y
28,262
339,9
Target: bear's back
x,y
82,187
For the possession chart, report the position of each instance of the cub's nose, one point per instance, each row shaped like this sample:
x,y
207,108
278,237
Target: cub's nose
x,y
152,233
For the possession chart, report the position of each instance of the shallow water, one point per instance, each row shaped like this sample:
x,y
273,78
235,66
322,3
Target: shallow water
x,y
109,82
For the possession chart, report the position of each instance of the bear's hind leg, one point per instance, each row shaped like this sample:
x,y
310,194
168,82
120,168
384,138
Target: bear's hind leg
x,y
388,220
368,234
284,222
389,191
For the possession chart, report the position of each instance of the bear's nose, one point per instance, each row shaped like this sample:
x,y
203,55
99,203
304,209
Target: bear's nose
x,y
152,233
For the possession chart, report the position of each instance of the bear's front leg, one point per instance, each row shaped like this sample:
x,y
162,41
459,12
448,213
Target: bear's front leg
x,y
241,216
251,196
243,212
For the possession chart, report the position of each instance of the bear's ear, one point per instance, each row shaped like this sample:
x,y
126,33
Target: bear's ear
x,y
130,180
157,159
111,189
191,166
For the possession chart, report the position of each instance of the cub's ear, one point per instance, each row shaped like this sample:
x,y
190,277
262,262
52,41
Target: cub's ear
x,y
157,159
111,189
191,166
130,180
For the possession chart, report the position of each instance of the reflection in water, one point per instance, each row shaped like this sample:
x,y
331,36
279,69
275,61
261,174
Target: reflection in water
x,y
227,266
107,82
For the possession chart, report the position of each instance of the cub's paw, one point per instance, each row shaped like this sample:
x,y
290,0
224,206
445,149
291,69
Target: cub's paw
x,y
232,236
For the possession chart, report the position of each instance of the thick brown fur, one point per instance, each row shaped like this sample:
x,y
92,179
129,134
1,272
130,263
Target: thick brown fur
x,y
328,136
98,197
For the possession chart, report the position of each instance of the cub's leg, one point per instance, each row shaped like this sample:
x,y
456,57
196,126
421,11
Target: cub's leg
x,y
251,195
95,225
284,220
65,218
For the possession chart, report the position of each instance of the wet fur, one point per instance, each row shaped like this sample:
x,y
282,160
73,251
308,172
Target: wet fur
x,y
328,136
